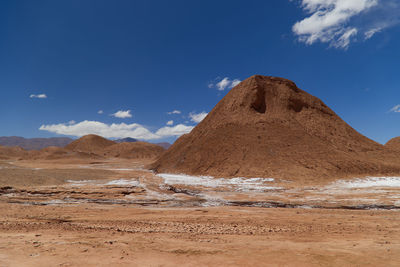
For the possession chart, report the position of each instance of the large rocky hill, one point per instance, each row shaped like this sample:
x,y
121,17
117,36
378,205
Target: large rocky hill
x,y
268,127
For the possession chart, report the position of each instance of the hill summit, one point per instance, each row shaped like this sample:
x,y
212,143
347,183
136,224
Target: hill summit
x,y
268,127
90,144
393,144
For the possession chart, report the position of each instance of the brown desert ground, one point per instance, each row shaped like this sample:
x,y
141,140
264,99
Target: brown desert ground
x,y
114,212
271,177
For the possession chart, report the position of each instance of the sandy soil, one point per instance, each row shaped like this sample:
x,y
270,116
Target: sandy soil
x,y
117,213
92,235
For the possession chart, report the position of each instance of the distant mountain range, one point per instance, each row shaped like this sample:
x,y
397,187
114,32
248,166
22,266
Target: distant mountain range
x,y
126,140
40,143
34,143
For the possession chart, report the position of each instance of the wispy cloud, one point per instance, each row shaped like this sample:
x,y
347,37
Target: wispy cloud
x,y
177,130
174,112
38,96
395,109
371,32
197,117
340,22
171,122
100,112
222,84
122,114
120,130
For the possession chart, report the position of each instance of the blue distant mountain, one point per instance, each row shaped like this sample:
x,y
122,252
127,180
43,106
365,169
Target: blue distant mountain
x,y
34,143
127,140
39,143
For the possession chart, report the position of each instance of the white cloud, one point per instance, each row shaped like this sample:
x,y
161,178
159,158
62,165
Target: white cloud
x,y
177,130
174,112
235,82
38,96
114,130
344,40
171,122
329,21
222,84
368,34
71,122
396,109
122,114
100,112
197,117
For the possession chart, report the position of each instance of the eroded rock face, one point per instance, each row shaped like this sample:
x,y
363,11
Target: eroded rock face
x,y
268,127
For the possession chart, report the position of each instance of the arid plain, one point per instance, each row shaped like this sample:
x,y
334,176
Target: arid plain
x,y
119,215
271,177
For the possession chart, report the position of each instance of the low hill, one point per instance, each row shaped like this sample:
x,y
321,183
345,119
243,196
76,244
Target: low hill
x,y
12,152
90,144
87,147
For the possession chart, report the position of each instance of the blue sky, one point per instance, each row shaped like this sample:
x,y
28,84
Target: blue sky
x,y
61,62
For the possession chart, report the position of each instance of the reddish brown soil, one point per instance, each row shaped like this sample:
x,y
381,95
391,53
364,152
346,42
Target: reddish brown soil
x,y
92,235
268,127
48,220
393,144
